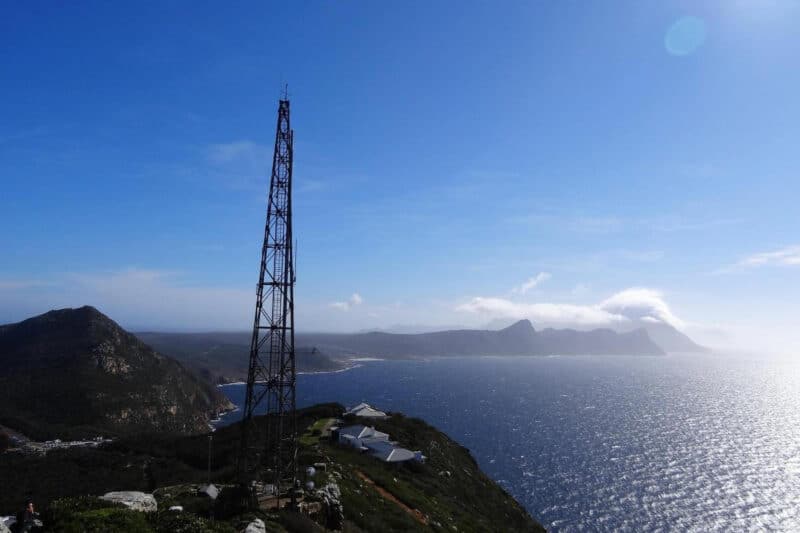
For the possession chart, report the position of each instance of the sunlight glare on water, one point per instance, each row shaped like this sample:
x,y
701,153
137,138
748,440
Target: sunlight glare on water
x,y
688,443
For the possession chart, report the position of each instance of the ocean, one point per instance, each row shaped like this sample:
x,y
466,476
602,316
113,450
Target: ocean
x,y
689,443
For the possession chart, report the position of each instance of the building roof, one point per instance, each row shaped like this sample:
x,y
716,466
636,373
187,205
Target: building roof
x,y
388,452
362,432
367,411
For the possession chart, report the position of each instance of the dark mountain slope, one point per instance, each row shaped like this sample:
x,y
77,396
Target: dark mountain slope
x,y
518,339
221,357
75,373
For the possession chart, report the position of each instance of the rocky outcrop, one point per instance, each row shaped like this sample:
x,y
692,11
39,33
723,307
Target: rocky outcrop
x,y
332,506
138,501
256,526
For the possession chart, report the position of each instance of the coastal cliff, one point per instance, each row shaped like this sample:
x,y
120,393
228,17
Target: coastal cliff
x,y
353,492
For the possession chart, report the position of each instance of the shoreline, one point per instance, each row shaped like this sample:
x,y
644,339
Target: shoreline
x,y
315,372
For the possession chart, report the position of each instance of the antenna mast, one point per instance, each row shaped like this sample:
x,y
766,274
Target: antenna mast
x,y
268,452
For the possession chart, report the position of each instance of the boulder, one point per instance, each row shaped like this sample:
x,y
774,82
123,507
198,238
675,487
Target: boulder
x,y
256,526
209,490
332,506
138,501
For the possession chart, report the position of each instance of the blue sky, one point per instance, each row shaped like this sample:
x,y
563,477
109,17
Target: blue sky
x,y
446,154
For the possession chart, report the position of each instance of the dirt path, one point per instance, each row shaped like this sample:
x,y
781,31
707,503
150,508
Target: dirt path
x,y
416,514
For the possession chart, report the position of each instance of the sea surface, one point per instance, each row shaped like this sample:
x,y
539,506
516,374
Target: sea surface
x,y
686,443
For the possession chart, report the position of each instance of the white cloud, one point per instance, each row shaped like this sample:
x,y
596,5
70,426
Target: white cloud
x,y
634,304
237,151
788,256
241,165
541,313
532,283
576,223
645,256
612,223
581,289
353,301
640,303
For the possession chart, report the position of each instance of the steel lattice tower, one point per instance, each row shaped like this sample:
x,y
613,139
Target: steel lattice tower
x,y
269,452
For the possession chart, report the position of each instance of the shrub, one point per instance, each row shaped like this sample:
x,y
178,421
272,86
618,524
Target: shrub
x,y
172,522
102,521
63,509
231,501
299,523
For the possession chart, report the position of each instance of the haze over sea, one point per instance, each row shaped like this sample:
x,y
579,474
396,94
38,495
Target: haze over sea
x,y
691,443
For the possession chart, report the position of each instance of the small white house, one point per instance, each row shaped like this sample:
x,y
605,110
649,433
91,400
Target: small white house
x,y
389,452
364,410
360,433
376,443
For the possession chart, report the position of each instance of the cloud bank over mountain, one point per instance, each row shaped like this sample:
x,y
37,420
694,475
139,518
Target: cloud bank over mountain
x,y
633,305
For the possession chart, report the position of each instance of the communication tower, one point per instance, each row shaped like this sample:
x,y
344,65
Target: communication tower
x,y
268,455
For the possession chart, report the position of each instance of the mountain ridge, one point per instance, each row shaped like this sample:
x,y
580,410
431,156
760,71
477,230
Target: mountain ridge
x,y
223,357
77,373
520,338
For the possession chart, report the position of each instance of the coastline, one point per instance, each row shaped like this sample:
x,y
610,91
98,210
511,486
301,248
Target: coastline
x,y
314,372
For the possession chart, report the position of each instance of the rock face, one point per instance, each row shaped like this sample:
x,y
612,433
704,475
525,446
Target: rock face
x,y
76,373
138,501
332,506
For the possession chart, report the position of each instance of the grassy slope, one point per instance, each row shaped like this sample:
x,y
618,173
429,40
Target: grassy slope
x,y
449,490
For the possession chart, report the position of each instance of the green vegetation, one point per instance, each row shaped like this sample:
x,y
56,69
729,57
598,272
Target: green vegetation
x,y
88,514
448,491
92,515
310,437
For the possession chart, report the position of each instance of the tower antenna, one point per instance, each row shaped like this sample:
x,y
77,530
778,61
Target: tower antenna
x,y
267,463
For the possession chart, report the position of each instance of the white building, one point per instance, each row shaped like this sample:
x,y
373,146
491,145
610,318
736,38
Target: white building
x,y
365,410
376,443
356,436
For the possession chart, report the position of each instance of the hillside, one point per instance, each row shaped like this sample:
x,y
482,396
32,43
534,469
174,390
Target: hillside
x,y
672,340
75,373
518,339
222,357
448,492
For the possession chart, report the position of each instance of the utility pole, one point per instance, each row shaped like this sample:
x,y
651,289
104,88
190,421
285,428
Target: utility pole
x,y
210,438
